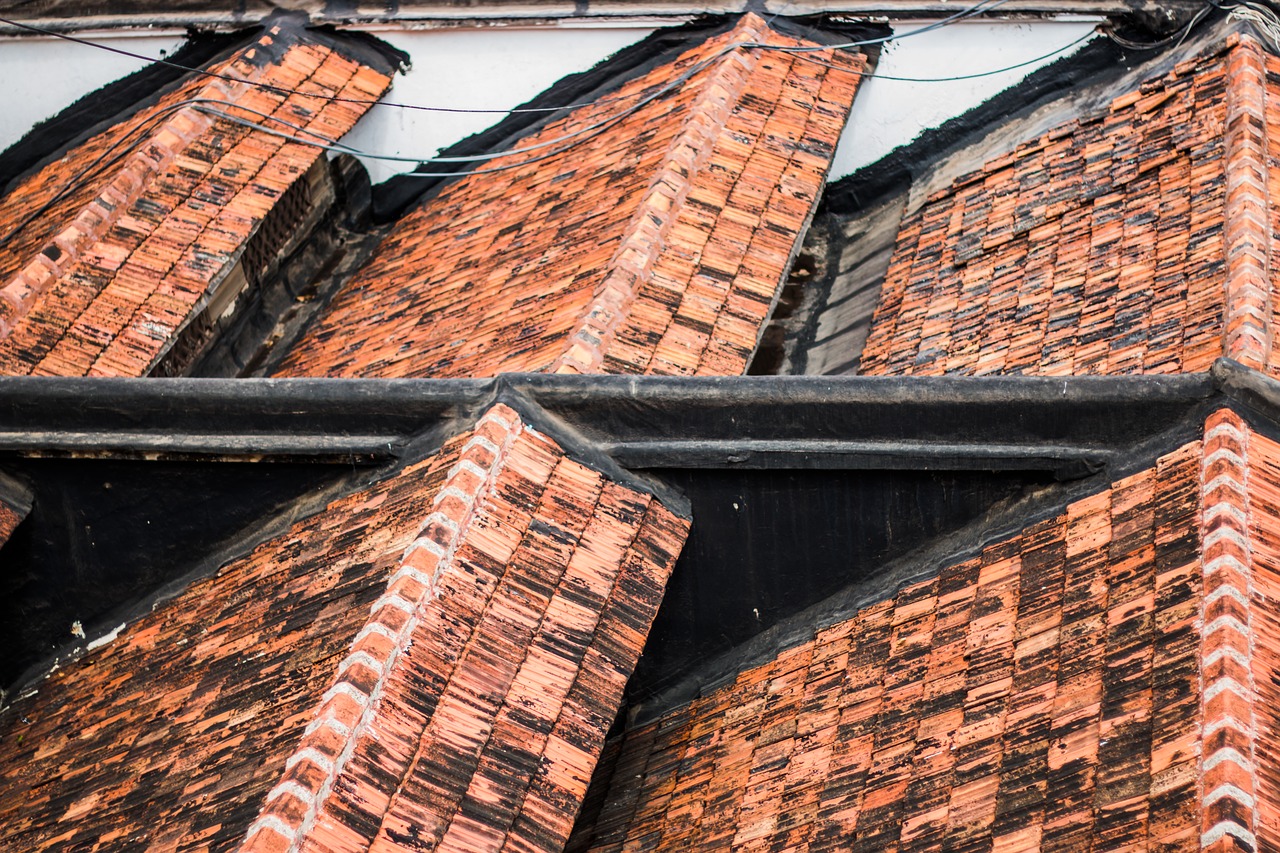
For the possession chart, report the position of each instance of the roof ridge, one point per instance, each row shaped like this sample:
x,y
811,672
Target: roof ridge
x,y
60,252
1229,783
1246,228
346,709
643,241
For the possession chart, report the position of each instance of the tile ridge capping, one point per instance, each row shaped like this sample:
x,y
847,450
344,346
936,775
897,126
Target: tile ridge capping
x,y
1247,226
346,711
91,223
1228,786
645,238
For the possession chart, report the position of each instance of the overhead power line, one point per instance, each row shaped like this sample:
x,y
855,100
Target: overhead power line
x,y
976,9
546,149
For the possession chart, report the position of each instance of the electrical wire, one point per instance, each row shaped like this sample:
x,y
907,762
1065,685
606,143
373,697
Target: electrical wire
x,y
977,9
218,109
99,165
985,6
333,145
1175,37
1262,16
559,145
873,75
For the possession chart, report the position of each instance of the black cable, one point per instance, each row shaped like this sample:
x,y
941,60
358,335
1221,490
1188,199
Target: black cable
x,y
1176,36
92,170
872,75
978,8
570,140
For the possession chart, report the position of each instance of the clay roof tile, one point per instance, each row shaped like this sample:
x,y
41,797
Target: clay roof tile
x,y
435,657
109,251
1103,245
581,258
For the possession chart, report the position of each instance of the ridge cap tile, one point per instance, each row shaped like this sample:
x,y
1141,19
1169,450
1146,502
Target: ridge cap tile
x,y
384,618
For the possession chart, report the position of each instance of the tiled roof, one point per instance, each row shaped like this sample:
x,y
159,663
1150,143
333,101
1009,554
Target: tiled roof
x,y
657,245
1063,689
107,252
435,658
1136,241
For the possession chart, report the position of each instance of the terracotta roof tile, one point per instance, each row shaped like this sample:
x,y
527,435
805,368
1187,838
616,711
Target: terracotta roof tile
x,y
11,516
692,207
1042,694
435,659
99,279
1136,241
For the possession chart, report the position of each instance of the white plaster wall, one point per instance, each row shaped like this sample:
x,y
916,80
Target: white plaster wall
x,y
476,68
501,67
890,113
44,75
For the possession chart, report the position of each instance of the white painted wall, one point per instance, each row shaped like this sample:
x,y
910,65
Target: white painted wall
x,y
488,68
44,75
890,113
501,67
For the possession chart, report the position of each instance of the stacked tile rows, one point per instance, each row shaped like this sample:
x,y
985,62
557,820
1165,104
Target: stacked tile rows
x,y
1096,248
100,282
469,713
438,656
174,731
653,244
1041,695
698,299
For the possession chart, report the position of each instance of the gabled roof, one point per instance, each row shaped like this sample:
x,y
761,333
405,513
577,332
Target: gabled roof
x,y
436,657
109,251
433,659
1102,678
656,243
1134,240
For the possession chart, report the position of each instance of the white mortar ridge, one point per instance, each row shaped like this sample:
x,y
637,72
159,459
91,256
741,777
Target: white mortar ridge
x,y
401,640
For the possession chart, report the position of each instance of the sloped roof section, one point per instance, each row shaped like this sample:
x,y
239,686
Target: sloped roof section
x,y
1043,694
107,252
1136,241
646,233
435,658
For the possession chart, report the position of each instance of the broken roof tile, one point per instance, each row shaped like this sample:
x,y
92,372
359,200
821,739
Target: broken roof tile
x,y
1110,246
655,245
437,657
110,250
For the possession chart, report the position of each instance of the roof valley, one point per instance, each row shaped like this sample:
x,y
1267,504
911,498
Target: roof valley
x,y
645,239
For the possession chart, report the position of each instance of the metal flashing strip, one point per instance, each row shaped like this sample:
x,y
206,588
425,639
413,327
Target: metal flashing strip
x,y
1035,423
